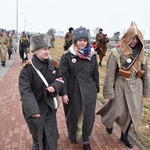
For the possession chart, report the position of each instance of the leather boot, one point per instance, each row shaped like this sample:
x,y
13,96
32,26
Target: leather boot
x,y
3,64
87,146
109,130
125,139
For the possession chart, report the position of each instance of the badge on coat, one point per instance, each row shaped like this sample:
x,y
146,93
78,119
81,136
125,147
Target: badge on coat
x,y
74,60
129,60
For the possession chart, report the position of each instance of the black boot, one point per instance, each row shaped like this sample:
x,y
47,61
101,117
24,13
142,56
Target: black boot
x,y
73,141
9,55
3,64
109,130
125,139
35,145
87,146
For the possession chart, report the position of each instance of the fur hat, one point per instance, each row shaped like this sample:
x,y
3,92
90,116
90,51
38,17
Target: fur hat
x,y
80,33
100,29
70,29
38,41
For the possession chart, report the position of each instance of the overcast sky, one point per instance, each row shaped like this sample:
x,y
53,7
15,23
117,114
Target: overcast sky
x,y
41,15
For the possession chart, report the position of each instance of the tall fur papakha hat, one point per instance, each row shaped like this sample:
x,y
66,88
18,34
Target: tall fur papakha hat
x,y
37,42
80,33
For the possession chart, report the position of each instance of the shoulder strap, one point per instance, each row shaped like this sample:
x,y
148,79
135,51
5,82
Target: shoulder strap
x,y
144,58
40,74
117,56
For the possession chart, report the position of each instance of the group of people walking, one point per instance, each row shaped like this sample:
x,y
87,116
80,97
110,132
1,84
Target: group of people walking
x,y
8,45
76,81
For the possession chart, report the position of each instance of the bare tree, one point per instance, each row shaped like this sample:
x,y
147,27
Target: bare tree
x,y
51,31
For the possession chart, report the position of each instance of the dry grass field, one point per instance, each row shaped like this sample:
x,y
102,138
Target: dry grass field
x,y
143,132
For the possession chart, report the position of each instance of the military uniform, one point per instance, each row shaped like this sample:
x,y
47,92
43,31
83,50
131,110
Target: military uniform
x,y
68,39
23,45
99,37
3,48
36,99
52,41
125,84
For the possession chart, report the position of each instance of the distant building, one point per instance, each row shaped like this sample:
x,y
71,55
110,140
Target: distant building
x,y
60,33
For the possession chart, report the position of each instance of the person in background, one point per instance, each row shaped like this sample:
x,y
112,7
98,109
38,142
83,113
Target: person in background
x,y
4,42
80,72
28,38
68,38
99,36
23,45
52,42
14,41
126,83
37,99
10,46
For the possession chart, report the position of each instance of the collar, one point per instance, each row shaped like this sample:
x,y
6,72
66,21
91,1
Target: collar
x,y
39,65
72,50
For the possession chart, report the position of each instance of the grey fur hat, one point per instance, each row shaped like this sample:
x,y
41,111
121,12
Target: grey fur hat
x,y
37,42
80,33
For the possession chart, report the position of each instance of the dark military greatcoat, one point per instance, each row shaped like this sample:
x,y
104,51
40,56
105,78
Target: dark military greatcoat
x,y
37,100
81,85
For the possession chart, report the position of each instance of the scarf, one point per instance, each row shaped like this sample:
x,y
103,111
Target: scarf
x,y
85,53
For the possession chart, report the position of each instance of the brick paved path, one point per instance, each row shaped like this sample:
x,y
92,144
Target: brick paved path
x,y
14,134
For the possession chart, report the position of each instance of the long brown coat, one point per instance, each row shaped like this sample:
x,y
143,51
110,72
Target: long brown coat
x,y
4,41
126,95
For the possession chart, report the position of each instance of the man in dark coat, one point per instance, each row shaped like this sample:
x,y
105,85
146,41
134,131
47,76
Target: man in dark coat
x,y
37,99
23,45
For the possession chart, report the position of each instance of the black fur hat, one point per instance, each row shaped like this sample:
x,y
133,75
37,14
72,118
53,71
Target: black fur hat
x,y
37,42
79,33
70,29
100,29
